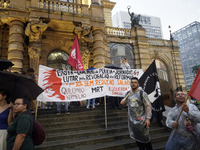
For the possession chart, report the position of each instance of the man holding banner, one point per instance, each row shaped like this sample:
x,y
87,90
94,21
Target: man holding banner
x,y
139,115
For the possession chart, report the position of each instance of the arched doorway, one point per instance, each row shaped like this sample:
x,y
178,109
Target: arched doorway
x,y
58,59
164,81
119,51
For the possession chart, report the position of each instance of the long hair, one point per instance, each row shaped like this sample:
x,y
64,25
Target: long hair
x,y
5,93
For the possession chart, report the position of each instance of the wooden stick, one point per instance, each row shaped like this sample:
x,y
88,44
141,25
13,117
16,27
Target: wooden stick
x,y
36,110
182,110
106,123
127,95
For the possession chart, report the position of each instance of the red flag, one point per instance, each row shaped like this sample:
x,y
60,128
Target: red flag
x,y
195,89
75,57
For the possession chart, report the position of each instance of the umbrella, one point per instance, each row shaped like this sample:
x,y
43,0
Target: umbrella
x,y
92,68
19,86
112,66
5,64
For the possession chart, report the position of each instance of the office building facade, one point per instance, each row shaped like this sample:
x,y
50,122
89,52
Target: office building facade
x,y
188,39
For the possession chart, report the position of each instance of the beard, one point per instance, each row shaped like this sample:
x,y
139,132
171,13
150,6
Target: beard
x,y
134,88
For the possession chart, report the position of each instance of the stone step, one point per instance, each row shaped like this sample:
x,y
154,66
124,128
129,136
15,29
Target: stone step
x,y
83,120
106,142
84,112
84,129
90,132
78,109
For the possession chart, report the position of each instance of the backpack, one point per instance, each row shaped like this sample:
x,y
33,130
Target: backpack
x,y
38,134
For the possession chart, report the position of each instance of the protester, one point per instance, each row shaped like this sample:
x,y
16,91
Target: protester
x,y
114,102
124,64
59,107
20,131
139,115
6,117
93,103
185,132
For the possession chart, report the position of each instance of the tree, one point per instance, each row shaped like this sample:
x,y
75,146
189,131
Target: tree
x,y
195,69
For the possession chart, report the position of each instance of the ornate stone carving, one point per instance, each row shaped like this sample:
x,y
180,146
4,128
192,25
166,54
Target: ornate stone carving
x,y
87,34
84,34
85,58
34,54
35,30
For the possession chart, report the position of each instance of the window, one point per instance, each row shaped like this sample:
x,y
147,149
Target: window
x,y
119,51
58,59
163,76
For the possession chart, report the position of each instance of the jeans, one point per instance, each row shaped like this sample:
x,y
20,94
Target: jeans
x,y
59,108
177,142
88,102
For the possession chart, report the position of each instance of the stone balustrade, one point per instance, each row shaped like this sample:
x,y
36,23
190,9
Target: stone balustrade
x,y
160,42
74,7
4,3
118,31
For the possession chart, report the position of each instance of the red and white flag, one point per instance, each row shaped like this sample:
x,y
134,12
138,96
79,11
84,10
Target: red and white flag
x,y
195,88
75,57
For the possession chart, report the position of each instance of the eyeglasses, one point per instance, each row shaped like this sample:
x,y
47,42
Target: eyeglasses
x,y
17,104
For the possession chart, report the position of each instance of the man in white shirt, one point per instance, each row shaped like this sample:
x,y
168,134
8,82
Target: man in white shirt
x,y
124,64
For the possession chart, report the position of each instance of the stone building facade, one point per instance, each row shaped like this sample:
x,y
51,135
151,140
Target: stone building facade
x,y
34,32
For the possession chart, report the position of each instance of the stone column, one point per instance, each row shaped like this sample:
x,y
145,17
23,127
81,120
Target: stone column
x,y
98,49
16,45
34,31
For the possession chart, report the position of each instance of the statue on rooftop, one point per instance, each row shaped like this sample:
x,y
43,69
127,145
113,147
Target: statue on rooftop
x,y
134,19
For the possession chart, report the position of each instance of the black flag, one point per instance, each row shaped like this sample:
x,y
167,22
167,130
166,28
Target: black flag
x,y
150,84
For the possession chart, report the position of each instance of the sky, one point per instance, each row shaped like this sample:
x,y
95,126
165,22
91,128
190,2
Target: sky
x,y
176,13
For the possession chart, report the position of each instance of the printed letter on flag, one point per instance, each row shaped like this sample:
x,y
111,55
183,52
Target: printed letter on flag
x,y
150,84
75,57
195,88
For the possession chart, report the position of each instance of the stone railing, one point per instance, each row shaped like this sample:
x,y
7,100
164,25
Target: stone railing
x,y
74,7
159,42
4,3
118,31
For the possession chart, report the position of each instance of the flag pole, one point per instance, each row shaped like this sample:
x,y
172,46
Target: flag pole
x,y
182,110
106,123
36,109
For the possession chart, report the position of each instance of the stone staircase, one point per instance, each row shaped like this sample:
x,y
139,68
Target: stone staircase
x,y
84,129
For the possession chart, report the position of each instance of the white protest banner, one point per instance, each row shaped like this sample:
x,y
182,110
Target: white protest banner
x,y
64,85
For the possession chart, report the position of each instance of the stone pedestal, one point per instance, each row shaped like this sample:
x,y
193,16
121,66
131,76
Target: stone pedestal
x,y
16,45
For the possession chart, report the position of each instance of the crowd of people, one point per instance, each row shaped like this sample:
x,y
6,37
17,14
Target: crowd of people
x,y
16,122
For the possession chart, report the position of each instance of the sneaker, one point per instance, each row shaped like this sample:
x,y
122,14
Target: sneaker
x,y
58,113
88,107
93,107
67,112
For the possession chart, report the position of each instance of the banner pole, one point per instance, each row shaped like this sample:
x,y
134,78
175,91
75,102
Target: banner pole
x,y
106,123
36,109
182,110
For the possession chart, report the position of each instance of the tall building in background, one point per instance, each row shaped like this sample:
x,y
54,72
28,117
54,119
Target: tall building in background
x,y
188,39
151,24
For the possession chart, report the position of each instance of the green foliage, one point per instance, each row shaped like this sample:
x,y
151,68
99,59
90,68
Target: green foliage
x,y
195,69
